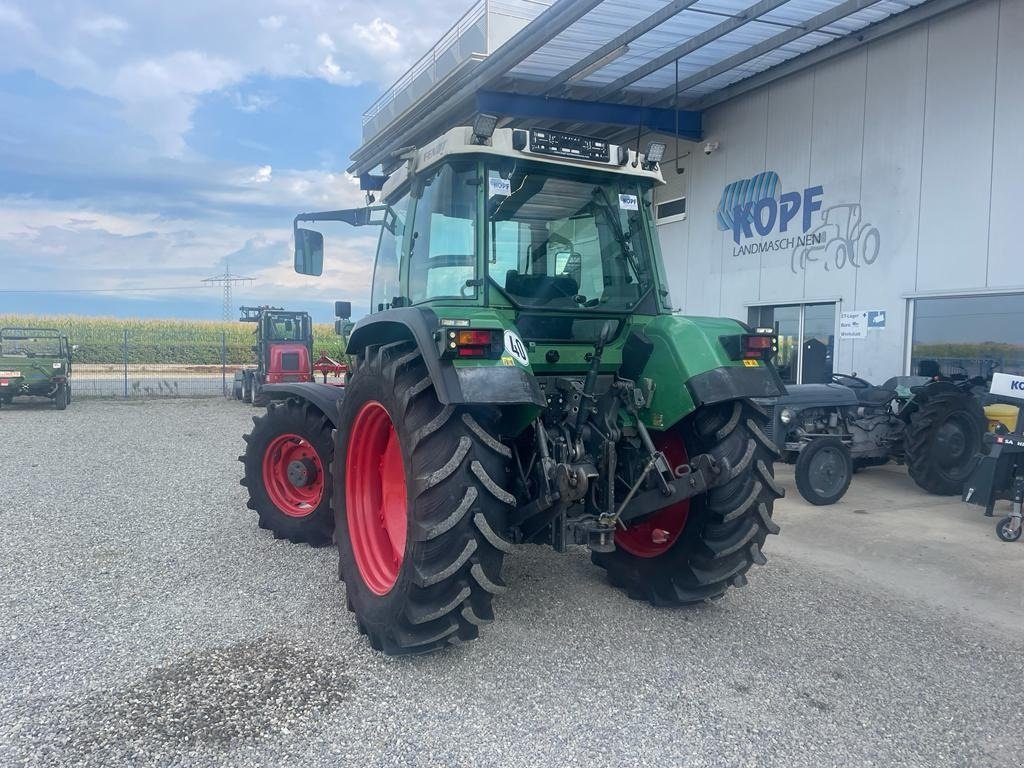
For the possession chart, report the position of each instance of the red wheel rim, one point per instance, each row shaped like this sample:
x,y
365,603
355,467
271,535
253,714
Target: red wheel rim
x,y
293,475
375,497
658,533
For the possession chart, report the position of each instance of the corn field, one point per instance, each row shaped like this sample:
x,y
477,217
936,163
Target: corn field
x,y
108,341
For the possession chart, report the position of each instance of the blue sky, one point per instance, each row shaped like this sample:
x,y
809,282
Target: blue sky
x,y
146,144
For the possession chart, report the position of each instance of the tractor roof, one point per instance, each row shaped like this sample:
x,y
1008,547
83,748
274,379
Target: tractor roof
x,y
521,144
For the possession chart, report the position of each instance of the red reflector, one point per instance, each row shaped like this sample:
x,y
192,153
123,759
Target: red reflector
x,y
474,337
4,382
472,351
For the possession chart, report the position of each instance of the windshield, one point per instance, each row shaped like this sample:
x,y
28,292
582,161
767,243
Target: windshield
x,y
286,328
24,344
560,238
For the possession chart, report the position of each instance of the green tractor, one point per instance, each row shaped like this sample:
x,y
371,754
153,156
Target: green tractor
x,y
35,362
521,378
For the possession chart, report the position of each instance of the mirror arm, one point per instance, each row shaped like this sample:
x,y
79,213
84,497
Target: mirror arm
x,y
357,217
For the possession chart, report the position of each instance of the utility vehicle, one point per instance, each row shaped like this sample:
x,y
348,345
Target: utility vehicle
x,y
283,348
35,361
521,377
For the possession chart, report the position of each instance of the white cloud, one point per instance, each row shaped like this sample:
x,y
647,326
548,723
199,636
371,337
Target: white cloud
x,y
262,175
13,17
178,51
103,26
332,73
272,23
378,37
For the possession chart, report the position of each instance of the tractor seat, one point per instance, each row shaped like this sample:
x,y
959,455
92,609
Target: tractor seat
x,y
541,288
874,396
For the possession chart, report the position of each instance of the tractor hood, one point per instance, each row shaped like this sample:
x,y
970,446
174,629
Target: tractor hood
x,y
807,395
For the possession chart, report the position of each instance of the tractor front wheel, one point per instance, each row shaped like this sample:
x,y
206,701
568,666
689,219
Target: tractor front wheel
x,y
421,506
62,397
287,463
696,549
942,441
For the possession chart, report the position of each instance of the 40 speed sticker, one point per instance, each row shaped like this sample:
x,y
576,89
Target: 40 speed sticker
x,y
515,347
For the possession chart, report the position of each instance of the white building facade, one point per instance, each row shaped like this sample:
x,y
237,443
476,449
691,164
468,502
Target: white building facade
x,y
869,207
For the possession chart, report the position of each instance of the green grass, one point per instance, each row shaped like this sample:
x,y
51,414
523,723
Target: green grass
x,y
101,340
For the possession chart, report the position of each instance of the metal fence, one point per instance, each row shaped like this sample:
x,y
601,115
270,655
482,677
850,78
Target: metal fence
x,y
139,364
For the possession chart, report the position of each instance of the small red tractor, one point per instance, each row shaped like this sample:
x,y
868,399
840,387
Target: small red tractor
x,y
284,353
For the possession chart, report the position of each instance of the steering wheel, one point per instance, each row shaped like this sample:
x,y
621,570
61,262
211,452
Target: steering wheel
x,y
848,380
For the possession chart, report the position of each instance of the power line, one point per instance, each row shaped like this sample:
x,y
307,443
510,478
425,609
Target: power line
x,y
143,289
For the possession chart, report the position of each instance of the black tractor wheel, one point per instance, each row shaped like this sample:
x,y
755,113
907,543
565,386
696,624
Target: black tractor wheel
x,y
1005,529
287,472
695,550
247,389
823,471
236,388
62,397
419,523
942,440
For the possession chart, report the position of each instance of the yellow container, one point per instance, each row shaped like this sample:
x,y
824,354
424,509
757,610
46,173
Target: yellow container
x,y
999,413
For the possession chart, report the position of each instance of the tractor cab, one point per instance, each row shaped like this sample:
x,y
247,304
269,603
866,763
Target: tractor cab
x,y
284,343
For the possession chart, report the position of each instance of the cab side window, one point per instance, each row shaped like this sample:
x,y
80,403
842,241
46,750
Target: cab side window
x,y
387,270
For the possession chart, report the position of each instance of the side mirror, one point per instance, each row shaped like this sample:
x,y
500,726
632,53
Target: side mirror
x,y
343,309
309,252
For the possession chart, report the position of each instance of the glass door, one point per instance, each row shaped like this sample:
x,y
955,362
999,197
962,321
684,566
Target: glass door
x,y
806,339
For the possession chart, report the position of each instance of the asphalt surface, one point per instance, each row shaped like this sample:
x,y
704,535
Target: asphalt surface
x,y
145,620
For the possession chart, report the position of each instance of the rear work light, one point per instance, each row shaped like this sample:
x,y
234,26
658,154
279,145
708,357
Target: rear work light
x,y
463,344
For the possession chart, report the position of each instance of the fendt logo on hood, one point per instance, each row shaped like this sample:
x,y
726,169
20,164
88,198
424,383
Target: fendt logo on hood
x,y
755,205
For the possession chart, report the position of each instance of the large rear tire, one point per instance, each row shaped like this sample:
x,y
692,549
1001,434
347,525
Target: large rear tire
x,y
423,508
287,463
942,440
722,532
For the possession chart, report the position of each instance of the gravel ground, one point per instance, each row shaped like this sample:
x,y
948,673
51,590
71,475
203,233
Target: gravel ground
x,y
145,620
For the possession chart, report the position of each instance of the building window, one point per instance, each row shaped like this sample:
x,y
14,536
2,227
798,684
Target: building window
x,y
670,210
967,335
806,339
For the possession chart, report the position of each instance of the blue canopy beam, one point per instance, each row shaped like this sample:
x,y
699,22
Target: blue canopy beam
x,y
521,105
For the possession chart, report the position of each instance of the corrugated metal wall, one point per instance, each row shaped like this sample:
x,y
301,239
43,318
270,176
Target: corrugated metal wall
x,y
922,131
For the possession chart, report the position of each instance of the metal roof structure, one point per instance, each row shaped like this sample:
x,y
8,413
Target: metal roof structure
x,y
610,64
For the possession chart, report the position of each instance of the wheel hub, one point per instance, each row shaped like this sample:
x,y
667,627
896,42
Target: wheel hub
x,y
302,472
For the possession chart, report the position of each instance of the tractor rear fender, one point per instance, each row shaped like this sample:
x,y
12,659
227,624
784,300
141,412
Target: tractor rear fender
x,y
323,396
923,393
482,381
690,367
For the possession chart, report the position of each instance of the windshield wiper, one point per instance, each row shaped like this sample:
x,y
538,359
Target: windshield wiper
x,y
624,237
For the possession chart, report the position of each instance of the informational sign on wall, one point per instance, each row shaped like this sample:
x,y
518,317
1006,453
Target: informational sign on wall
x,y
856,324
853,325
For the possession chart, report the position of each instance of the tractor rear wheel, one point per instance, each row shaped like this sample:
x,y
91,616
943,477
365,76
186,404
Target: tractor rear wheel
x,y
421,506
942,440
287,471
695,550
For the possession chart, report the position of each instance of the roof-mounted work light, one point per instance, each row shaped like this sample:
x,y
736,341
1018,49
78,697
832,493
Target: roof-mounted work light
x,y
654,155
483,128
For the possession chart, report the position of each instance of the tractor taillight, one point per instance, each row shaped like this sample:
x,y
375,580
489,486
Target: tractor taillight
x,y
756,346
475,343
473,338
760,345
